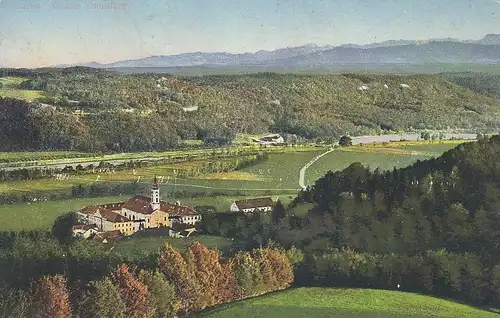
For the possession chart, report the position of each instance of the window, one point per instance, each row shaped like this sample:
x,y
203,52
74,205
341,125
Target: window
x,y
165,218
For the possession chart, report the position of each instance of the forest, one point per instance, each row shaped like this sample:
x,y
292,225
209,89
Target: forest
x,y
98,110
430,228
42,276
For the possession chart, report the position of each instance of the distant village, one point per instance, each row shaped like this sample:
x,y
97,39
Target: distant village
x,y
149,215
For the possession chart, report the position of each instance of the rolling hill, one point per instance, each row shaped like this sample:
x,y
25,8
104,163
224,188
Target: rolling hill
x,y
333,302
216,108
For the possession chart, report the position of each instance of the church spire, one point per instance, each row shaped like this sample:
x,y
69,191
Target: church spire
x,y
155,195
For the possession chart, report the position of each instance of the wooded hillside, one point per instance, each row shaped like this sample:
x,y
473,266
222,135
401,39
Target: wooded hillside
x,y
103,110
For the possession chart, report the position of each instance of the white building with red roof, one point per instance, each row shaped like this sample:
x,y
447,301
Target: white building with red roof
x,y
140,212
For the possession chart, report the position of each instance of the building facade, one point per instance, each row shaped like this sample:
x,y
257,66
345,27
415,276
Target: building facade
x,y
138,213
252,205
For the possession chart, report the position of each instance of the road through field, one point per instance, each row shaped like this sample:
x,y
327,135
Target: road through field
x,y
302,172
376,139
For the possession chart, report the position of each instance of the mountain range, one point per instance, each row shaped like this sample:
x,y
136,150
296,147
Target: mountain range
x,y
433,51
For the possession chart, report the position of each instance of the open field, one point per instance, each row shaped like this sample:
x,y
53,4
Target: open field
x,y
340,302
382,156
41,216
41,159
279,174
10,88
147,245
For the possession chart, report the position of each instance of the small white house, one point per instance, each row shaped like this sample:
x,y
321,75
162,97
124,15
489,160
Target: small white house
x,y
363,88
404,86
386,86
252,205
271,139
84,231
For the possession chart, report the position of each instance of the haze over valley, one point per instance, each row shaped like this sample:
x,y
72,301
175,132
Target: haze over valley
x,y
258,158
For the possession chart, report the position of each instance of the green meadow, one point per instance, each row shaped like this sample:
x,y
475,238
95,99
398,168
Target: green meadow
x,y
277,177
346,303
384,157
41,216
10,88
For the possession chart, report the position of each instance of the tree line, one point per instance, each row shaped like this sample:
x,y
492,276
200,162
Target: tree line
x,y
218,163
64,282
430,227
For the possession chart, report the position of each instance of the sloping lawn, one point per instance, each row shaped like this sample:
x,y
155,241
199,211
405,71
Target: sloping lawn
x,y
340,302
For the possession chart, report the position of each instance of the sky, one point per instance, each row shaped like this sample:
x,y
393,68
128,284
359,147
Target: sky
x,y
36,33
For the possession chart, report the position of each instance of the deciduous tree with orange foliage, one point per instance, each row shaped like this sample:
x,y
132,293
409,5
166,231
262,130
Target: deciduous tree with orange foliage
x,y
134,293
181,275
282,268
215,276
50,297
207,269
229,289
275,268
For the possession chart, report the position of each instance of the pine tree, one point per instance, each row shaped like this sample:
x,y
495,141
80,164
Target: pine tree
x,y
162,292
133,292
278,213
247,273
13,303
50,297
102,299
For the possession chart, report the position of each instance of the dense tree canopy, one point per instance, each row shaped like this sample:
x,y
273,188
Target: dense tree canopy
x,y
94,109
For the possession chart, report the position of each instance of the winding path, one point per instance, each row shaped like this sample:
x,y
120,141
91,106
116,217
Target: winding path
x,y
302,172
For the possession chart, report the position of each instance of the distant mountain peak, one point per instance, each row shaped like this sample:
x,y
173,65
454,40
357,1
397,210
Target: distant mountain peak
x,y
443,50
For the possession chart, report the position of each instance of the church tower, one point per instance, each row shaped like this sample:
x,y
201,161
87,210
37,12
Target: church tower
x,y
155,195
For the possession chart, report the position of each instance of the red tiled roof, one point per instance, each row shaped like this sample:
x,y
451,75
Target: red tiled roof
x,y
91,209
85,227
178,227
254,203
177,210
112,206
140,204
112,216
109,235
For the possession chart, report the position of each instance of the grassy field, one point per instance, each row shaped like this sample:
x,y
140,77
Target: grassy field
x,y
279,174
147,245
40,158
41,215
388,156
346,303
10,88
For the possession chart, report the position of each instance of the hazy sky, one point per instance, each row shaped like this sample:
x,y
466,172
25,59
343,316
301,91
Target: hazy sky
x,y
37,33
